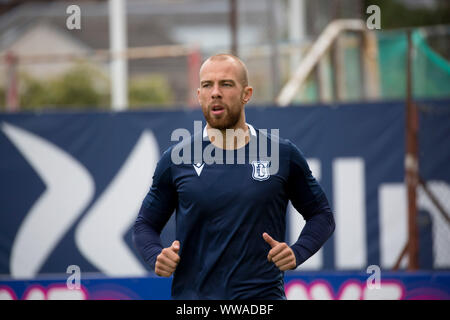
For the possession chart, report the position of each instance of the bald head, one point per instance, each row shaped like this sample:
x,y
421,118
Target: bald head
x,y
242,69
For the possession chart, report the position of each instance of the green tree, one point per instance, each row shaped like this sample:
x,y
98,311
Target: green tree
x,y
34,94
150,90
78,88
82,87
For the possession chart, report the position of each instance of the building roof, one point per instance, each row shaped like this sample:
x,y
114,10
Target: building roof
x,y
149,23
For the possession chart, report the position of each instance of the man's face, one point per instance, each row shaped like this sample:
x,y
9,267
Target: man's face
x,y
222,94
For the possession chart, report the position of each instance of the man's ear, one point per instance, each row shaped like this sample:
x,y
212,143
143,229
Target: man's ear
x,y
248,92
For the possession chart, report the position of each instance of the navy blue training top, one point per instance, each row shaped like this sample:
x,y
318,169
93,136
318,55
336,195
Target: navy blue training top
x,y
222,210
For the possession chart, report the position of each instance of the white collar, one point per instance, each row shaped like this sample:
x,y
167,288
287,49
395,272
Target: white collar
x,y
252,130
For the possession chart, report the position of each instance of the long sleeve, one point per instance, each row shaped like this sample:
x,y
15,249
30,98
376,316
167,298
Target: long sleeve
x,y
309,199
315,233
147,240
155,211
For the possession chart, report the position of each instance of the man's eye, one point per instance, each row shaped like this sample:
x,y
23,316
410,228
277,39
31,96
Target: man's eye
x,y
206,85
227,84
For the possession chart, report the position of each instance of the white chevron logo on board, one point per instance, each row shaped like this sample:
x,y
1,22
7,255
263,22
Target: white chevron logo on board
x,y
69,189
100,234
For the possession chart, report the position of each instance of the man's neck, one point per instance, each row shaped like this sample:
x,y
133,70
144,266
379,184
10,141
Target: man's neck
x,y
230,139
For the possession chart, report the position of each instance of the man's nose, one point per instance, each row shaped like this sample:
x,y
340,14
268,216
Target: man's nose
x,y
216,94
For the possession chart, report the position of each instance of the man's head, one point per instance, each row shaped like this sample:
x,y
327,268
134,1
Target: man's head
x,y
224,91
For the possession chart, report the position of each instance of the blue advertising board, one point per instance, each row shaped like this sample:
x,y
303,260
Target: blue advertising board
x,y
72,183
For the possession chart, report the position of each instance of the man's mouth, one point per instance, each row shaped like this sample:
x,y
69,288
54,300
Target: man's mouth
x,y
217,109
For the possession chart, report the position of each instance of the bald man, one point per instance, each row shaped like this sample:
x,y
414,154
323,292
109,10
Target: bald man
x,y
230,217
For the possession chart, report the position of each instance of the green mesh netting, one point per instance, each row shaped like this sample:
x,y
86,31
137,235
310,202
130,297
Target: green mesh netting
x,y
431,72
392,48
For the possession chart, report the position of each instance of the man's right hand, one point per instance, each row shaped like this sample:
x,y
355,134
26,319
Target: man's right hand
x,y
167,260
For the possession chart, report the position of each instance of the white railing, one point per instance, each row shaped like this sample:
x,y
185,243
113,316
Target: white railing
x,y
321,46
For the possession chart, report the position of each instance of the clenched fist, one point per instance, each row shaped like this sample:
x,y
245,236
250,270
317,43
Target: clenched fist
x,y
167,260
280,254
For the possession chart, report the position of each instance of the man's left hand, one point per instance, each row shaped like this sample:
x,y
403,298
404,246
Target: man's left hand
x,y
280,254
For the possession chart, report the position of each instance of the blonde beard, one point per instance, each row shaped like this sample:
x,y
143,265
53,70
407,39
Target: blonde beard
x,y
224,123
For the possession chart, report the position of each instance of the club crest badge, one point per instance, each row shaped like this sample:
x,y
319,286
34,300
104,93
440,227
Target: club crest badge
x,y
260,170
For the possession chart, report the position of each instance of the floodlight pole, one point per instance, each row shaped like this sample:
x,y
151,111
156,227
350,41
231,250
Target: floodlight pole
x,y
233,26
118,47
297,29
